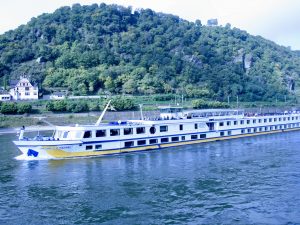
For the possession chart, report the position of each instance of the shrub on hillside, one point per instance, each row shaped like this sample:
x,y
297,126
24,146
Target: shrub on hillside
x,y
123,103
9,108
24,108
56,106
77,106
201,104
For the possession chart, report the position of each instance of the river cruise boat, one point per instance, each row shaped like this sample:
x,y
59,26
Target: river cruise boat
x,y
174,127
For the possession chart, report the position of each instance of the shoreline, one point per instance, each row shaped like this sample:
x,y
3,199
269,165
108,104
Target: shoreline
x,y
27,129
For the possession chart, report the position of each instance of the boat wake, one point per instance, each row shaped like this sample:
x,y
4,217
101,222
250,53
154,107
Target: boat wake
x,y
27,158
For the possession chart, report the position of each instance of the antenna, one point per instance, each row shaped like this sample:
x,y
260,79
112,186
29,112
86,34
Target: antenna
x,y
102,114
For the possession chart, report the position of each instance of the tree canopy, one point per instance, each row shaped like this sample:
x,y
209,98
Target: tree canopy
x,y
109,48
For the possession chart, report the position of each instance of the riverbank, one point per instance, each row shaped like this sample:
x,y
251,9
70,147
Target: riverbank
x,y
28,129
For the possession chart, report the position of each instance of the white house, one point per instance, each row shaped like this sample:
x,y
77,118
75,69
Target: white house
x,y
24,90
58,96
5,97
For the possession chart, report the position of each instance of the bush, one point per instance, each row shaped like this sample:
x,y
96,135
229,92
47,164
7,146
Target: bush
x,y
24,108
77,106
56,106
9,108
50,106
201,104
94,105
122,103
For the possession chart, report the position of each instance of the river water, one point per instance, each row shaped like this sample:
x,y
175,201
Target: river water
x,y
252,180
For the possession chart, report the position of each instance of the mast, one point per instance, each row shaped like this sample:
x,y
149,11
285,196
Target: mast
x,y
102,114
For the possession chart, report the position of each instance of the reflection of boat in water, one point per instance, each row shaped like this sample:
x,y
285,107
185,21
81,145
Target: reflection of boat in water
x,y
174,127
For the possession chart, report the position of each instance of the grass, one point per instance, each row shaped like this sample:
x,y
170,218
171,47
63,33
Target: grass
x,y
18,121
69,119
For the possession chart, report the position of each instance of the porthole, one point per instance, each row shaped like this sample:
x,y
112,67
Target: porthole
x,y
152,130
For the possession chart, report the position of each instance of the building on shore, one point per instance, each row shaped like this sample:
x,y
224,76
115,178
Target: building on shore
x,y
23,90
4,96
58,95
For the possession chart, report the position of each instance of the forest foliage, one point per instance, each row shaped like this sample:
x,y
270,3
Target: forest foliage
x,y
100,49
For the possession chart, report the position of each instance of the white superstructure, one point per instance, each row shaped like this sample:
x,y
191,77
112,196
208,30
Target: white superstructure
x,y
175,127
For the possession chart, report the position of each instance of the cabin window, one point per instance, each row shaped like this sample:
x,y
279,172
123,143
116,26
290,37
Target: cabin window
x,y
65,135
265,120
87,134
180,127
194,136
242,131
141,142
152,141
279,119
275,119
222,133
259,121
260,129
228,123
164,140
248,121
254,130
114,132
128,131
196,126
183,138
202,135
254,121
242,122
221,124
98,147
249,130
152,130
283,118
140,130
234,122
270,120
100,133
163,128
175,138
266,128
128,144
89,147
292,118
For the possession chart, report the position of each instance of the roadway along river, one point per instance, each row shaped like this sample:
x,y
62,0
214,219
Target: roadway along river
x,y
252,180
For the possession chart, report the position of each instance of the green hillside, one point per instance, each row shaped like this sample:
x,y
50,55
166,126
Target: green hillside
x,y
108,48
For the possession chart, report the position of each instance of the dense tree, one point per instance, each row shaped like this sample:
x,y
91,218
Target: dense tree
x,y
110,48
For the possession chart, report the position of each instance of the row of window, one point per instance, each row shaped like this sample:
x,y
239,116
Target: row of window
x,y
126,131
152,141
254,121
128,144
261,129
